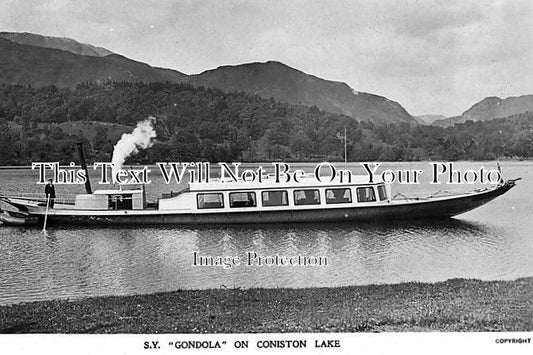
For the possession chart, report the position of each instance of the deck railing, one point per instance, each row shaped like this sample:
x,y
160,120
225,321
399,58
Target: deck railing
x,y
434,194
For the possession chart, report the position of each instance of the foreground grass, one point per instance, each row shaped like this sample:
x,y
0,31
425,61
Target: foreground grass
x,y
453,305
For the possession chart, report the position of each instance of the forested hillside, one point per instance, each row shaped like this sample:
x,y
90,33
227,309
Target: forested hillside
x,y
43,124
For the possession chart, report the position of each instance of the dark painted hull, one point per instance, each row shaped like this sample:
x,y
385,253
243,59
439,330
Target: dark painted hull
x,y
421,209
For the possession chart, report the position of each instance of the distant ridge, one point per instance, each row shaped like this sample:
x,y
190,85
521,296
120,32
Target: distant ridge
x,y
429,119
65,44
490,108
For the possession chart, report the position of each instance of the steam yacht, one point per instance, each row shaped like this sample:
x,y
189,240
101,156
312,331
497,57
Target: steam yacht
x,y
220,202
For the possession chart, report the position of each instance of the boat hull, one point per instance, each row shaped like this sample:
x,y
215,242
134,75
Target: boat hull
x,y
410,209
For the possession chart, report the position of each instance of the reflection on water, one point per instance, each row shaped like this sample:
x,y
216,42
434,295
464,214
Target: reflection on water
x,y
77,262
492,242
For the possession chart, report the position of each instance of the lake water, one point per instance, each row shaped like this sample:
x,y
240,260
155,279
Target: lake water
x,y
493,242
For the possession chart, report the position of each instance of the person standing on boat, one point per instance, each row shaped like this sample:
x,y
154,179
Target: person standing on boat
x,y
50,192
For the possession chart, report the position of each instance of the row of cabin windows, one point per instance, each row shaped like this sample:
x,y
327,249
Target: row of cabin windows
x,y
280,198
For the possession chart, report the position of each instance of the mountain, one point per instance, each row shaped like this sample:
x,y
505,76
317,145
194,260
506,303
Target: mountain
x,y
286,84
428,119
31,59
65,44
39,66
490,108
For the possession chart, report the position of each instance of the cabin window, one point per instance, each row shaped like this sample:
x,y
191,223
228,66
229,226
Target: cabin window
x,y
275,198
338,196
210,201
365,194
120,202
382,193
306,197
242,199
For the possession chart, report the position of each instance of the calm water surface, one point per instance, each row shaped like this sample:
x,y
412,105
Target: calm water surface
x,y
492,242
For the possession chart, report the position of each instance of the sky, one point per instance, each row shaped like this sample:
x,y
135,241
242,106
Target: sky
x,y
433,57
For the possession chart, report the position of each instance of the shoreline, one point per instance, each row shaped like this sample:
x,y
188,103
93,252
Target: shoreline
x,y
452,305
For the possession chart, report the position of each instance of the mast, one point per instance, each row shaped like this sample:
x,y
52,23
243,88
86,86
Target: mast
x,y
345,149
339,136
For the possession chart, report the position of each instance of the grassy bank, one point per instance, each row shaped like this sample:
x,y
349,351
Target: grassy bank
x,y
453,305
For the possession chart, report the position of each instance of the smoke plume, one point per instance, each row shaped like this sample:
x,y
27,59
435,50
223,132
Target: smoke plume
x,y
130,143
